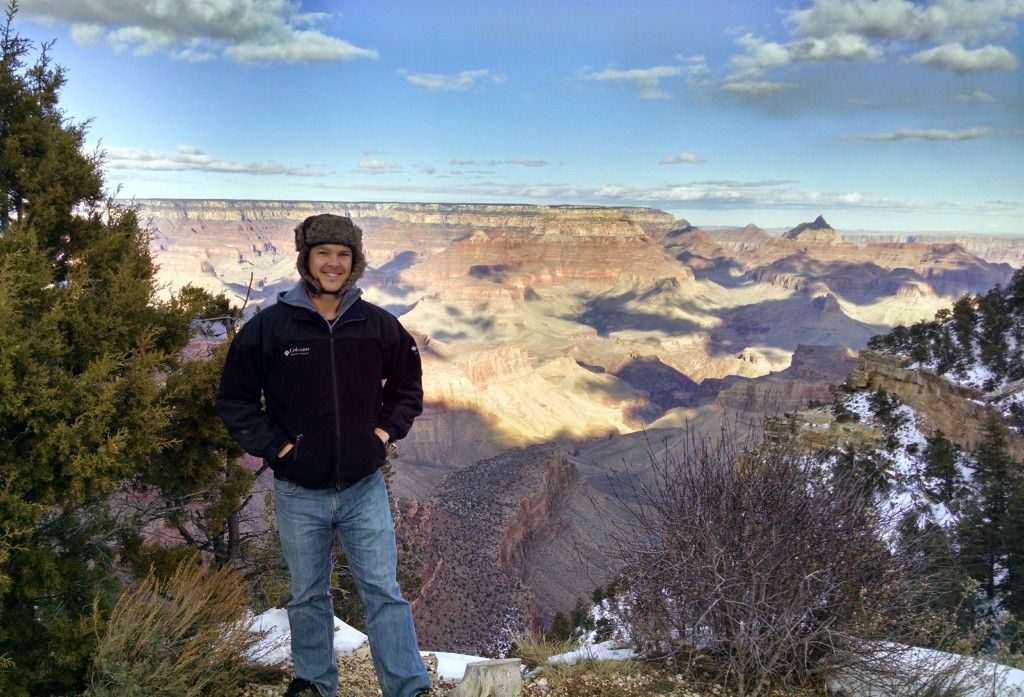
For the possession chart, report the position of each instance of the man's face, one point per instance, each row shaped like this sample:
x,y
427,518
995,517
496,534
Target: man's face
x,y
331,265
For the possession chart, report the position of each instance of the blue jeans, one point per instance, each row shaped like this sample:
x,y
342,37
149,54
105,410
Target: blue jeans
x,y
308,521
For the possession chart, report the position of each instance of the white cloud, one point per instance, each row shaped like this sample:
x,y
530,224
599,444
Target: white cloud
x,y
962,60
681,158
190,158
847,47
646,80
462,161
943,33
297,47
933,134
761,55
242,30
459,82
875,19
86,34
936,20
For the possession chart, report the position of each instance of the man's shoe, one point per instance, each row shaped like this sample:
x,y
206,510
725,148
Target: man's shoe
x,y
301,688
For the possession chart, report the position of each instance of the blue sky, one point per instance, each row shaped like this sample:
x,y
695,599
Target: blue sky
x,y
878,114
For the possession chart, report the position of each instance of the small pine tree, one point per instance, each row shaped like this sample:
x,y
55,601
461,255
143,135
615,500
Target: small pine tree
x,y
580,617
964,319
561,629
941,456
985,529
994,328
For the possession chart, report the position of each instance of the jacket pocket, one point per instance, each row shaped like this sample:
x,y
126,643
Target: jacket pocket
x,y
289,457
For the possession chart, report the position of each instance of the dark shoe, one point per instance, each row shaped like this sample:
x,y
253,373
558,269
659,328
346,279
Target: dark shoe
x,y
301,688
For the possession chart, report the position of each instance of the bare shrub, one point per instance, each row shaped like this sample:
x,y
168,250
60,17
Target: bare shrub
x,y
186,637
753,564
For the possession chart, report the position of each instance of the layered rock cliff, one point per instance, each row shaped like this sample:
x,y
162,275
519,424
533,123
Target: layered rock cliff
x,y
218,244
959,412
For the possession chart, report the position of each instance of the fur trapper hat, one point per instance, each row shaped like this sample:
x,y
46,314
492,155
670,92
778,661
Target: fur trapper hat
x,y
329,229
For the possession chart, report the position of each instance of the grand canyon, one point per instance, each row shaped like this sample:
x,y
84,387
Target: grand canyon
x,y
563,344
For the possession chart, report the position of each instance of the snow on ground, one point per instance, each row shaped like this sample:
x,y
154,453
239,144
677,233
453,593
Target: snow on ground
x,y
276,647
999,680
984,678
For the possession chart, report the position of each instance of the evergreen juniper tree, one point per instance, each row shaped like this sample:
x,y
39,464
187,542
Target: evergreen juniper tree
x,y
85,349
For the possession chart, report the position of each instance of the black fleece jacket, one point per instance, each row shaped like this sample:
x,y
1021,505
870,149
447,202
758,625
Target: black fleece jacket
x,y
289,377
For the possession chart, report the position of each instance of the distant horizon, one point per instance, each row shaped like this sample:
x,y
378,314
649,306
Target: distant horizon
x,y
703,226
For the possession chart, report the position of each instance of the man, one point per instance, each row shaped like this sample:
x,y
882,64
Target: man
x,y
320,385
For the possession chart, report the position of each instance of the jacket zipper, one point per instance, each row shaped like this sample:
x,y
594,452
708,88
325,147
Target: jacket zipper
x,y
295,448
337,414
340,483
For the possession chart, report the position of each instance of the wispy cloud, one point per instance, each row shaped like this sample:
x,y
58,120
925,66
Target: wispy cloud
x,y
709,195
646,80
976,96
458,82
935,134
186,157
376,166
682,158
722,196
756,88
523,161
246,31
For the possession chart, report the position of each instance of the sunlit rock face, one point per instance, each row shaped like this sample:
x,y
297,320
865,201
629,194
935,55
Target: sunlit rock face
x,y
569,324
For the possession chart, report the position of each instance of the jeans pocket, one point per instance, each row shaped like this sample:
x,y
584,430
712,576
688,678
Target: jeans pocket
x,y
285,488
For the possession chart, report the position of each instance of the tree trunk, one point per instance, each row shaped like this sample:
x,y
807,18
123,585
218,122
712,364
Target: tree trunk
x,y
500,678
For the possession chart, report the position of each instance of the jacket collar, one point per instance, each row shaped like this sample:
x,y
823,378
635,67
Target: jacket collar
x,y
298,296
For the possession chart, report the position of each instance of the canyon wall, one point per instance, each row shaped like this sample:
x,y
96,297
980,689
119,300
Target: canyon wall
x,y
220,244
996,249
496,544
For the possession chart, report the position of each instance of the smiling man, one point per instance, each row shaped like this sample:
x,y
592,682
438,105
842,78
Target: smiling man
x,y
320,385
